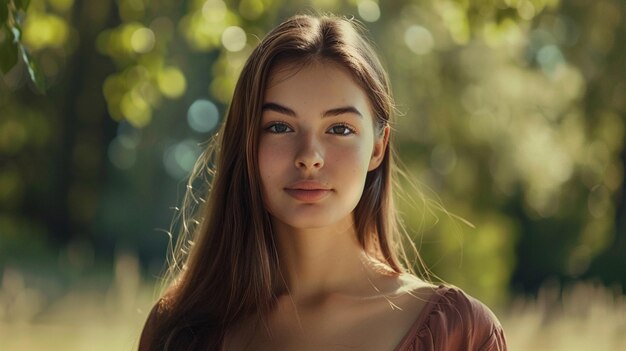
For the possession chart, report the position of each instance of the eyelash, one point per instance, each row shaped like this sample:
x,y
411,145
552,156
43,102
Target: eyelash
x,y
350,129
274,124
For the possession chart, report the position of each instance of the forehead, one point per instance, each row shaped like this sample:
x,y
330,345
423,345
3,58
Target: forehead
x,y
316,83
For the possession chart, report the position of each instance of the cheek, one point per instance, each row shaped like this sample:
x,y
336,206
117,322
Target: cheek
x,y
272,159
265,159
351,161
362,152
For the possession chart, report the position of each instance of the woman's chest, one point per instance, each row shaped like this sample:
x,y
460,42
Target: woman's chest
x,y
363,338
375,326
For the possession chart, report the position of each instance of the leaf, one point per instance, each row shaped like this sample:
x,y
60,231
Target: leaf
x,y
33,70
17,33
8,50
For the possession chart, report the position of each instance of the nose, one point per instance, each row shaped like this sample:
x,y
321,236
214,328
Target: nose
x,y
309,155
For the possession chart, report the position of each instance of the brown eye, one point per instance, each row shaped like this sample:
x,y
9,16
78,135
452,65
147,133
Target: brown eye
x,y
341,129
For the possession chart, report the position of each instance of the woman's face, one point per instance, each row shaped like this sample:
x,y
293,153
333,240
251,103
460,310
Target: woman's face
x,y
317,143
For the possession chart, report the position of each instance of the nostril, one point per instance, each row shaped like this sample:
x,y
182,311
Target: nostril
x,y
309,163
309,156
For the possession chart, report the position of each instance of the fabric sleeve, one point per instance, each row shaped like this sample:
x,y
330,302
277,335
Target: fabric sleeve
x,y
489,331
460,322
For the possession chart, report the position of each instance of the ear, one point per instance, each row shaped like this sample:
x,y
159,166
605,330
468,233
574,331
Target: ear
x,y
380,145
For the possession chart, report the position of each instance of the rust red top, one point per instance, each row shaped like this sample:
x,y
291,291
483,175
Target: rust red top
x,y
453,320
450,321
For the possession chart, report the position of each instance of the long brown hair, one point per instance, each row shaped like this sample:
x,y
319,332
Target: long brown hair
x,y
226,263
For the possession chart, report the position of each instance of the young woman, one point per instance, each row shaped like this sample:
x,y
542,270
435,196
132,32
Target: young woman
x,y
297,246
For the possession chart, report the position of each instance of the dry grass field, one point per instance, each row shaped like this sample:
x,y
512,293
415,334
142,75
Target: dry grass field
x,y
91,317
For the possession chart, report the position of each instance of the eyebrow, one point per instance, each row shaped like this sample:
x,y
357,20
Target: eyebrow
x,y
272,106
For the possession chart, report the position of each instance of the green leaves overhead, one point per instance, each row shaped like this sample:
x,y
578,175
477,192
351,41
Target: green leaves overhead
x,y
33,70
11,41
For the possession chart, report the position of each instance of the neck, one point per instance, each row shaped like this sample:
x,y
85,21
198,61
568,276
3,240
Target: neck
x,y
319,262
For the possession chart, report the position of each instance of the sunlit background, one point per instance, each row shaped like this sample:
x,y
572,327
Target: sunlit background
x,y
511,113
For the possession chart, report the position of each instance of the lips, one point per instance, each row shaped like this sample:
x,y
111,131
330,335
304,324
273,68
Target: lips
x,y
308,190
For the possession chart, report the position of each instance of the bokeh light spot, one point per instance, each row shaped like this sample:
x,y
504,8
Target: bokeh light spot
x,y
202,116
419,40
142,40
44,30
369,10
214,11
180,158
234,38
172,82
550,58
136,109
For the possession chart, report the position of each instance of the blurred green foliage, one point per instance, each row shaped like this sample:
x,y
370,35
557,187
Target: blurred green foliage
x,y
511,112
11,14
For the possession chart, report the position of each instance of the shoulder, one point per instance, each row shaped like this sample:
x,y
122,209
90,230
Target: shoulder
x,y
454,320
148,334
471,314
